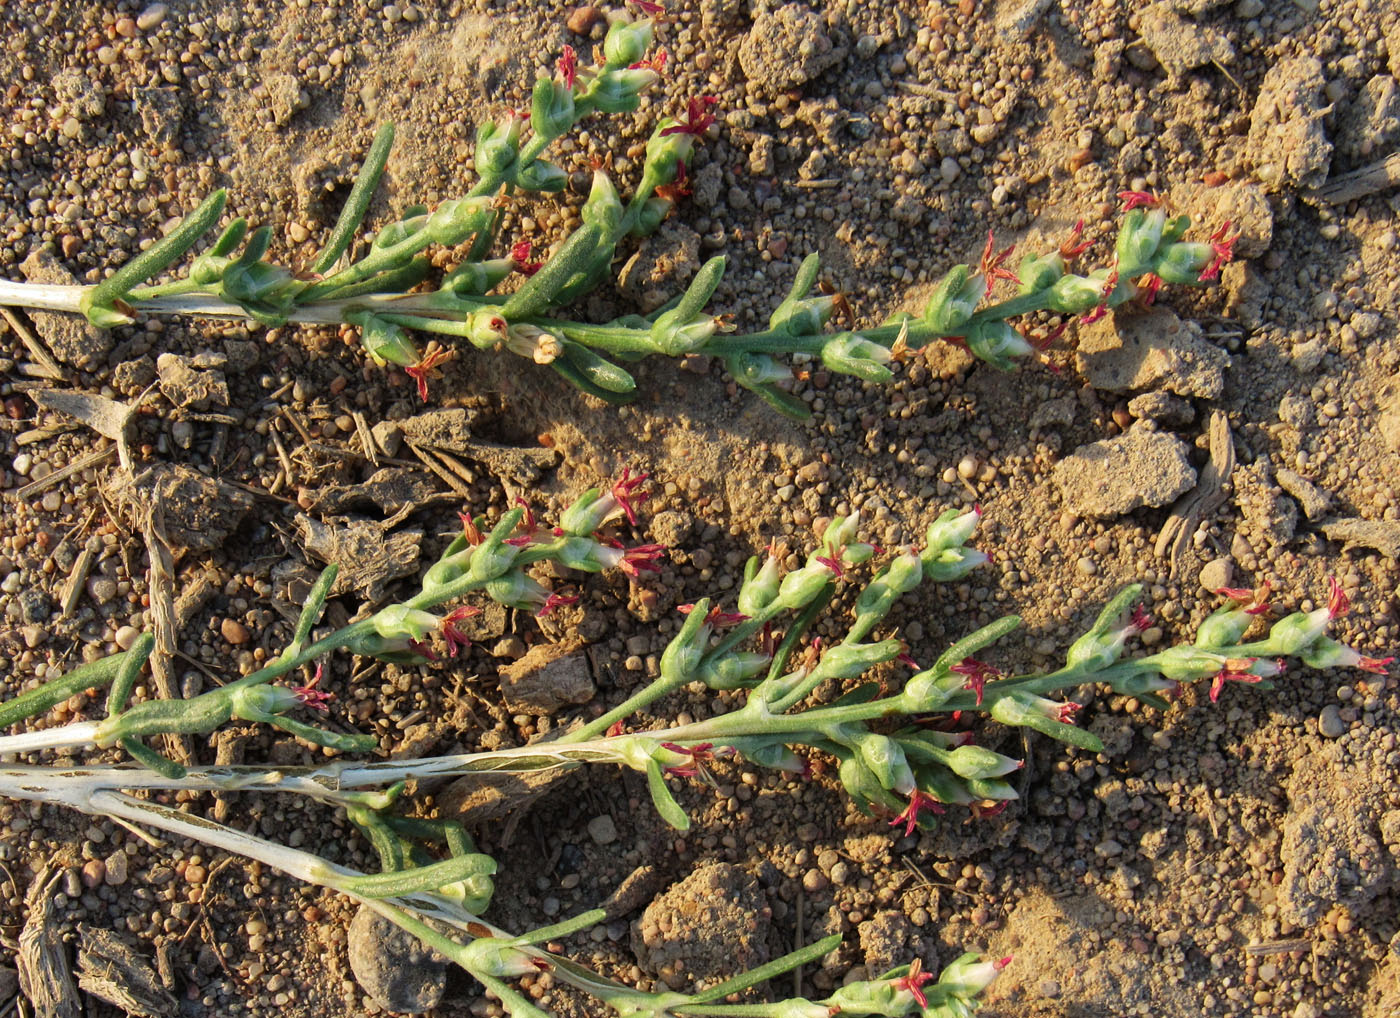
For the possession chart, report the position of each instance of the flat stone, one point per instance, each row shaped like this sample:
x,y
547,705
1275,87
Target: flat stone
x,y
1116,476
1151,349
1382,535
1162,407
550,676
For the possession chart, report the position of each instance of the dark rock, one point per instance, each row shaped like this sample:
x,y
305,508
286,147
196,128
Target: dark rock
x,y
393,966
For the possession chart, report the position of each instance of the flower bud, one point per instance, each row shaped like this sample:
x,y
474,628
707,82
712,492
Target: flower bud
x,y
542,175
1296,633
674,336
953,564
486,329
386,343
602,208
515,589
497,146
801,587
399,620
885,759
854,355
1224,627
1138,238
980,763
847,660
860,782
755,369
954,299
967,977
804,316
472,279
589,512
682,656
733,670
998,343
651,215
490,956
551,109
899,577
1074,295
627,44
617,91
1183,262
927,691
1039,273
760,588
456,219
951,530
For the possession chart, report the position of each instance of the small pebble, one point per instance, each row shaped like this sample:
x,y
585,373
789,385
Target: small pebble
x,y
234,632
1217,573
1330,723
94,872
127,636
117,868
582,19
151,17
602,830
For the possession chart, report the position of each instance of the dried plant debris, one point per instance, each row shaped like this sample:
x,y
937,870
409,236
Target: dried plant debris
x,y
371,557
199,512
45,973
111,968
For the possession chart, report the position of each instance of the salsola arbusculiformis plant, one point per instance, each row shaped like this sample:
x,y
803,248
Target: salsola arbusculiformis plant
x,y
902,746
389,290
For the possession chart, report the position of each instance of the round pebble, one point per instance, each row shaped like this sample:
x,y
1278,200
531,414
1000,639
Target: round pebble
x,y
126,637
234,632
151,17
1217,573
1330,723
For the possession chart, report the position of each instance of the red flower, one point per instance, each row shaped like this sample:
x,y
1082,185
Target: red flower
x,y
614,729
642,558
624,491
1223,251
993,265
718,618
832,560
455,640
1141,622
1337,602
520,258
1132,199
470,530
655,63
697,117
1236,670
914,981
555,601
1254,602
419,372
977,675
1374,664
568,67
1149,286
648,7
698,754
918,801
983,812
311,697
1075,245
